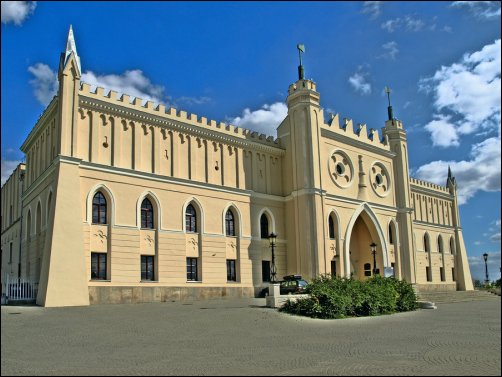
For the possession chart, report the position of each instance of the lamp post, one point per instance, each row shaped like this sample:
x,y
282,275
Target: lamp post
x,y
485,257
373,251
272,238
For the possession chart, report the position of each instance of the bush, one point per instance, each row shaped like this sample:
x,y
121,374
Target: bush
x,y
333,297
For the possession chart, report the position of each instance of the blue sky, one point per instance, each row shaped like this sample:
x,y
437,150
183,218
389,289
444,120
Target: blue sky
x,y
233,61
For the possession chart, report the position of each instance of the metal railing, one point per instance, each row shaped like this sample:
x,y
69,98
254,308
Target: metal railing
x,y
14,289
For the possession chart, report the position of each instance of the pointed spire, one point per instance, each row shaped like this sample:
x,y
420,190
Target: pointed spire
x,y
71,47
449,172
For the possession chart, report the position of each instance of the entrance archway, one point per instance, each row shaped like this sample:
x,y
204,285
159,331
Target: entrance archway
x,y
363,230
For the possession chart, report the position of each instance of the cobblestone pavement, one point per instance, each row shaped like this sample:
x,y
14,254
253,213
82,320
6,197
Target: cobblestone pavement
x,y
242,337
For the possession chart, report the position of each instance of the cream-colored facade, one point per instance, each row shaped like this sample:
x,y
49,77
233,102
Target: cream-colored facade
x,y
326,189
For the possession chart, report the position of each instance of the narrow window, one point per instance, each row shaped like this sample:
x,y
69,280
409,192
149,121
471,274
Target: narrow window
x,y
99,209
440,244
441,273
264,226
191,219
452,246
231,275
10,253
192,269
98,266
426,242
265,271
331,227
367,269
147,267
229,224
393,269
428,273
333,268
453,273
391,238
146,214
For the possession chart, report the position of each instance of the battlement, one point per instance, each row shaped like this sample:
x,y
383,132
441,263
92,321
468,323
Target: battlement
x,y
172,113
429,185
359,133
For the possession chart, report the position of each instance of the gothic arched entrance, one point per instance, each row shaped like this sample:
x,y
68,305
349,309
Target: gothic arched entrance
x,y
363,230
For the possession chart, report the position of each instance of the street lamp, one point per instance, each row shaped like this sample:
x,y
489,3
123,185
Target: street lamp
x,y
485,257
373,251
272,238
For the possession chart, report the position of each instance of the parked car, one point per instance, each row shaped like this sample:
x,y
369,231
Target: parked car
x,y
292,284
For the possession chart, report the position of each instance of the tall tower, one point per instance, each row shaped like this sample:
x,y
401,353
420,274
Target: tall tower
x,y
464,279
396,135
63,278
300,135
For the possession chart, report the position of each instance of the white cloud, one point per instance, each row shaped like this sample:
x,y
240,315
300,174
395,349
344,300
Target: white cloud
x,y
131,82
481,173
480,9
390,49
466,94
495,237
359,83
17,11
373,8
8,167
264,120
194,100
443,132
45,82
407,23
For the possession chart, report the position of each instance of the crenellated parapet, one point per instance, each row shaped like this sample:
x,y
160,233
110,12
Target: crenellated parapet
x,y
428,185
358,133
172,114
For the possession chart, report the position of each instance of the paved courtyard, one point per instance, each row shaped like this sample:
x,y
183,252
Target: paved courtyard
x,y
242,337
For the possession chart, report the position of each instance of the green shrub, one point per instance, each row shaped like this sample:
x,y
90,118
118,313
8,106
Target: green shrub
x,y
333,297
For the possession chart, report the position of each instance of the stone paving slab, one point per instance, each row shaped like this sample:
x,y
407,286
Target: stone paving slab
x,y
243,337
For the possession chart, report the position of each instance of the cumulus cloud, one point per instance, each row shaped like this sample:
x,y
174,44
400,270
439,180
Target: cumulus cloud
x,y
443,132
466,95
373,8
131,82
359,83
480,9
8,167
45,82
390,49
480,173
16,11
264,120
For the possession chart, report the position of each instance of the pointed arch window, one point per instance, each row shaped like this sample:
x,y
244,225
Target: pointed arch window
x,y
426,243
229,224
452,246
440,244
331,227
146,214
191,219
99,208
264,226
391,235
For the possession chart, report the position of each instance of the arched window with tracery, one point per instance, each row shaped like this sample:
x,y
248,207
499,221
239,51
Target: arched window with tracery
x,y
99,208
146,214
191,219
229,224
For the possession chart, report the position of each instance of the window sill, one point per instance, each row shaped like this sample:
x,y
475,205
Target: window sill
x,y
194,281
100,280
148,281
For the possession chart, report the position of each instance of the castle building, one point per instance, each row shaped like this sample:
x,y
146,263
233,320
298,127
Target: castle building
x,y
122,201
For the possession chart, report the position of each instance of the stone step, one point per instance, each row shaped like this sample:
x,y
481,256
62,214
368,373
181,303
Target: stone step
x,y
455,296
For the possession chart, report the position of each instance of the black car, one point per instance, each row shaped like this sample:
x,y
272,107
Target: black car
x,y
292,284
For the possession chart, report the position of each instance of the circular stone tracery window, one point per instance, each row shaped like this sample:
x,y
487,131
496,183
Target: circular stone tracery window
x,y
380,179
341,170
